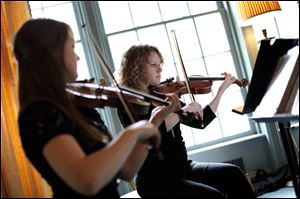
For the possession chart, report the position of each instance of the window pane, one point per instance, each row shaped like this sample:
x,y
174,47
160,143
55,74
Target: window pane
x,y
187,135
53,3
82,68
187,39
193,67
231,99
204,49
59,13
115,22
212,34
144,12
173,9
197,7
35,5
43,4
237,123
63,11
120,43
220,63
212,132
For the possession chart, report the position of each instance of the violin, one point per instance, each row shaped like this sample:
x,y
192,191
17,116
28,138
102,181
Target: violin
x,y
192,85
91,95
198,85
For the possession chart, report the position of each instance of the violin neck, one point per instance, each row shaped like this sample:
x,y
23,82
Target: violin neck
x,y
85,80
168,80
242,83
199,77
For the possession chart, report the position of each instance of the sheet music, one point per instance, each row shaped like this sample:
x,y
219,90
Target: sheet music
x,y
295,109
279,82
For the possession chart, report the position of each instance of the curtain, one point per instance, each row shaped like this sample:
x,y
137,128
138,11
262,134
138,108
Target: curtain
x,y
18,177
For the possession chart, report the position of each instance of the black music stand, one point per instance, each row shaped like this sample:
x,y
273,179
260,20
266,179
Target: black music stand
x,y
272,64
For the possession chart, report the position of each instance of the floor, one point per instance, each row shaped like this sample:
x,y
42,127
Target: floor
x,y
285,192
132,194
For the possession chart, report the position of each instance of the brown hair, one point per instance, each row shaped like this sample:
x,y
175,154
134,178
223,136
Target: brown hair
x,y
132,65
39,49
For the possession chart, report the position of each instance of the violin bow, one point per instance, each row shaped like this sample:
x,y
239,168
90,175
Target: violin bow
x,y
120,93
112,79
182,66
184,73
106,69
108,73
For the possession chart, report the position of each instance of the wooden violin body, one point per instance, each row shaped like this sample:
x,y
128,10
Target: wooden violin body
x,y
180,88
92,95
198,85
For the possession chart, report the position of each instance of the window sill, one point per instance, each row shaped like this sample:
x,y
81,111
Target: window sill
x,y
226,143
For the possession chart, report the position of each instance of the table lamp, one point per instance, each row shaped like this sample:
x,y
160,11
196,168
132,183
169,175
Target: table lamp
x,y
251,9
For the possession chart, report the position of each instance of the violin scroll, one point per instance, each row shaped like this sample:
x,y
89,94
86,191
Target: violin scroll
x,y
242,83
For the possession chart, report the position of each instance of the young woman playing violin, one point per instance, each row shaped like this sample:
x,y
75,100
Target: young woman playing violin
x,y
71,147
176,175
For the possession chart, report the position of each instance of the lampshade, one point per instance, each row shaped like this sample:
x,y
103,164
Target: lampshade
x,y
249,9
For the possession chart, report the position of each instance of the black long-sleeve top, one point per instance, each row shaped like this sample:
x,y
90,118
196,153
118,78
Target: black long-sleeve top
x,y
175,161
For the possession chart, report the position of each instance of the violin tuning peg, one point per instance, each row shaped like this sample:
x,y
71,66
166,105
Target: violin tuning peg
x,y
91,80
102,82
170,79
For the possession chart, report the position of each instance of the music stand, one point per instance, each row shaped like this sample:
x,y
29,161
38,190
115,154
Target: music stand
x,y
271,98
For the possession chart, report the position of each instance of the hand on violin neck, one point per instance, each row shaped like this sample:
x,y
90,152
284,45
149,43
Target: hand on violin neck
x,y
229,79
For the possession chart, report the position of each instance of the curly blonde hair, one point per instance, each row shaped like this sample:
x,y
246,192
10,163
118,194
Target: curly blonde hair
x,y
131,72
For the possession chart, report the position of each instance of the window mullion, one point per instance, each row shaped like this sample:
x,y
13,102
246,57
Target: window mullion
x,y
90,22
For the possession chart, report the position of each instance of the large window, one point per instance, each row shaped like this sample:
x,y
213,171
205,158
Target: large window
x,y
202,38
204,44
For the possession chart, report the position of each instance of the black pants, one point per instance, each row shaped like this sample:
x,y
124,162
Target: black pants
x,y
206,180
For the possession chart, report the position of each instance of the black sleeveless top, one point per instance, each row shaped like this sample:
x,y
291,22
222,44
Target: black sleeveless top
x,y
42,121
